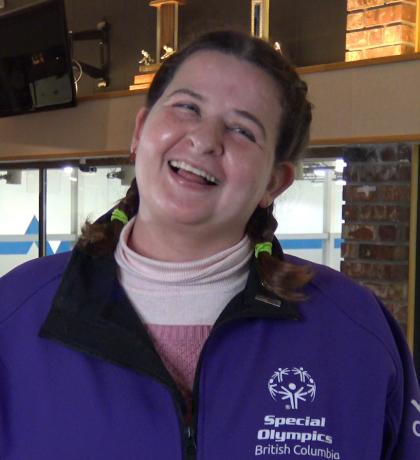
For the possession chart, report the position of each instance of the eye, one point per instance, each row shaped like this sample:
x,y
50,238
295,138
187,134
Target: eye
x,y
188,107
243,132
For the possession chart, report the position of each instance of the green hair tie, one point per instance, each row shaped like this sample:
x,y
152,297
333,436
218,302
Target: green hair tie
x,y
263,247
119,215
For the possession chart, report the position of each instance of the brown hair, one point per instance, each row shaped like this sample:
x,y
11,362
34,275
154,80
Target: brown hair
x,y
281,277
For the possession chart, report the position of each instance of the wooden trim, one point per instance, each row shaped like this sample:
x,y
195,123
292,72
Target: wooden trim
x,y
379,139
159,3
361,63
417,48
412,262
61,163
158,34
266,19
50,156
111,95
176,26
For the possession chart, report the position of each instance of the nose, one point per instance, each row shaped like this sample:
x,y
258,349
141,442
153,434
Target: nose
x,y
207,138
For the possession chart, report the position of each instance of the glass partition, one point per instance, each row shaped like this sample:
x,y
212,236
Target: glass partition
x,y
101,189
309,213
19,217
72,196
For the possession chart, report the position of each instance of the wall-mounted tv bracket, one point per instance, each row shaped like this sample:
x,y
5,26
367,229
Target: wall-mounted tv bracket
x,y
101,33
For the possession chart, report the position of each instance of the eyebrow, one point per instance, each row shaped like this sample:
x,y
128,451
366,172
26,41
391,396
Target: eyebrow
x,y
242,113
253,118
187,91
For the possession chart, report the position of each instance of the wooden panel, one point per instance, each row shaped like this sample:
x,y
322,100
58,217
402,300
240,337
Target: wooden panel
x,y
379,139
167,25
354,64
111,95
199,16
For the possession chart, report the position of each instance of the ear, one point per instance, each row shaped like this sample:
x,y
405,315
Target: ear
x,y
282,178
140,119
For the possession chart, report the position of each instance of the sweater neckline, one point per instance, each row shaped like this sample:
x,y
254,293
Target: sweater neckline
x,y
219,270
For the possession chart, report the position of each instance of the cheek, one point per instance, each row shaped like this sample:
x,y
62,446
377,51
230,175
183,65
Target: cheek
x,y
158,133
250,172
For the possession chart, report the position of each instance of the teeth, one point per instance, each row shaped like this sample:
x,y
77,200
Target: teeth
x,y
189,168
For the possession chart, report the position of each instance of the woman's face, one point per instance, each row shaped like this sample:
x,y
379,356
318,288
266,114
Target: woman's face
x,y
205,150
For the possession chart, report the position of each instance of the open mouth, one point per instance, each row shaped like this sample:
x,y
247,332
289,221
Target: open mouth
x,y
188,171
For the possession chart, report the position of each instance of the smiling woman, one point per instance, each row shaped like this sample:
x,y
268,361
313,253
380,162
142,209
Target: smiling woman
x,y
177,327
214,129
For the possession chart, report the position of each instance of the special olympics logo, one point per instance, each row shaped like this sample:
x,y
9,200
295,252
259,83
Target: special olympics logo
x,y
293,386
416,423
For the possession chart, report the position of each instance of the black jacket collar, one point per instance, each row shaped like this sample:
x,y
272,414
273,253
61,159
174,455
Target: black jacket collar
x,y
91,313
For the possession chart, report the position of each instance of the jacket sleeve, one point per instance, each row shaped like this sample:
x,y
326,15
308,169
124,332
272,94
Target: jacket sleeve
x,y
404,404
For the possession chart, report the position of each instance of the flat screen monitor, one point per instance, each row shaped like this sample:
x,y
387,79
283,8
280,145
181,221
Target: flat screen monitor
x,y
35,60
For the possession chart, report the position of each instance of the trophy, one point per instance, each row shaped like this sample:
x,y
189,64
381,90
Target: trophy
x,y
166,41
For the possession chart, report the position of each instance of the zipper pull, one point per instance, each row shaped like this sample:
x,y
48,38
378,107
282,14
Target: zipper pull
x,y
191,446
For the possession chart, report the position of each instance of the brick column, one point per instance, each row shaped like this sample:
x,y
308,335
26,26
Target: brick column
x,y
377,28
377,216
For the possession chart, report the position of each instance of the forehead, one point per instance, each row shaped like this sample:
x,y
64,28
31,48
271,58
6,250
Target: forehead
x,y
235,80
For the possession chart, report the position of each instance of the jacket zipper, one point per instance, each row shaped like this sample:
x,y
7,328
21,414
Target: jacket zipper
x,y
188,431
190,444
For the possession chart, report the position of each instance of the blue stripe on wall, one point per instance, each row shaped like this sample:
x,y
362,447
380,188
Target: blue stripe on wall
x,y
15,247
19,247
22,247
301,244
308,243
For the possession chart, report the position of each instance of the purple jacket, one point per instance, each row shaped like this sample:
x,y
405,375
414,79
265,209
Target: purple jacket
x,y
79,377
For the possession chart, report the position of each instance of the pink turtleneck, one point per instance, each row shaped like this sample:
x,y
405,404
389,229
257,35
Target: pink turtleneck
x,y
179,302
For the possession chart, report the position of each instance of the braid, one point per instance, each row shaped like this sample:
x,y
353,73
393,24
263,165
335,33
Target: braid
x,y
101,237
262,225
130,203
278,276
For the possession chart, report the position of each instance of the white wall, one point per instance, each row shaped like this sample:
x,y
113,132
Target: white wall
x,y
375,100
300,208
300,214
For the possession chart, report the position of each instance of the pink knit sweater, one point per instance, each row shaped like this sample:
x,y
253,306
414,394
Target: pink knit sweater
x,y
179,302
